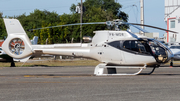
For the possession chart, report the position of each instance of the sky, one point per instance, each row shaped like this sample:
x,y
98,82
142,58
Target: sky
x,y
153,9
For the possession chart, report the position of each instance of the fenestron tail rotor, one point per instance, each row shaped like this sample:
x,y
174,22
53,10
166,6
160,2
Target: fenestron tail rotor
x,y
16,46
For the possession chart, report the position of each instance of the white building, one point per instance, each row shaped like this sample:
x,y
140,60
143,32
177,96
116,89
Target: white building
x,y
154,35
172,19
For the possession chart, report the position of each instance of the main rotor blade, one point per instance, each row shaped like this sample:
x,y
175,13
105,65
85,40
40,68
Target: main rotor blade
x,y
143,30
153,27
69,25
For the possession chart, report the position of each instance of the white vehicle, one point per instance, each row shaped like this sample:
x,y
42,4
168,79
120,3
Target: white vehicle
x,y
114,49
176,51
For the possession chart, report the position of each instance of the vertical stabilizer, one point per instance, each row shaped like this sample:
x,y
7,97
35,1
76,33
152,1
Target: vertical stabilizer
x,y
13,26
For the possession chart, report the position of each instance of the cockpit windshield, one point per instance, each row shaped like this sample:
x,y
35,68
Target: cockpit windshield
x,y
159,51
148,47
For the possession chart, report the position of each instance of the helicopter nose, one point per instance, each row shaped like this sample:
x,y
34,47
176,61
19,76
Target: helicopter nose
x,y
165,56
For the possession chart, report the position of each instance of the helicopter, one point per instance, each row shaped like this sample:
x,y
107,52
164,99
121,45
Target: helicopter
x,y
113,48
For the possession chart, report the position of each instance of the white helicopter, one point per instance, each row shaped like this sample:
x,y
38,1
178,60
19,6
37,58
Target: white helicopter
x,y
114,49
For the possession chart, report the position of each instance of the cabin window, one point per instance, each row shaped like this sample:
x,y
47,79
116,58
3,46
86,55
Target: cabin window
x,y
135,46
173,24
115,44
127,45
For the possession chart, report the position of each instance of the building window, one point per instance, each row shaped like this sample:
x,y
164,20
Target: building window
x,y
173,24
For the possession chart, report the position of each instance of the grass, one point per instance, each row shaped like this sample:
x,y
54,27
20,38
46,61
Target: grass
x,y
68,62
50,63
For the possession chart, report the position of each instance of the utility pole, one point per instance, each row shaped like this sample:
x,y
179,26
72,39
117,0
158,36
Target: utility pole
x,y
142,15
81,22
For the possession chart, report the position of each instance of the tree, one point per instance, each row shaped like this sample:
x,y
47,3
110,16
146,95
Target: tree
x,y
39,19
95,11
2,28
110,7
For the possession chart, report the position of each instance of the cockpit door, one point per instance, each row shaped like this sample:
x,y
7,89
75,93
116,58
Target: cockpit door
x,y
112,53
136,52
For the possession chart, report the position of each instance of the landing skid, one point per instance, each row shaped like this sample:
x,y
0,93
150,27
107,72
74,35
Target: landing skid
x,y
149,72
111,70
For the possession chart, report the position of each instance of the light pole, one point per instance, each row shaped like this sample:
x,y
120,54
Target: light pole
x,y
81,22
142,15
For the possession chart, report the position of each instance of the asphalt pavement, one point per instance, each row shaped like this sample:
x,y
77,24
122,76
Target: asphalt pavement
x,y
79,84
